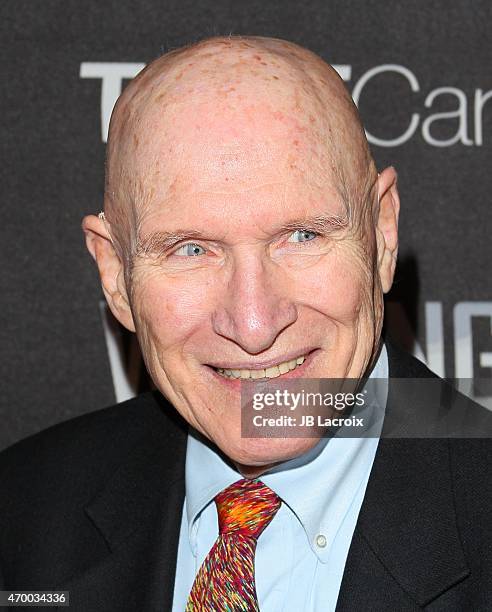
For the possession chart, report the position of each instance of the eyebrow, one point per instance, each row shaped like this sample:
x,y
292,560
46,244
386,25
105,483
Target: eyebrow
x,y
159,242
322,224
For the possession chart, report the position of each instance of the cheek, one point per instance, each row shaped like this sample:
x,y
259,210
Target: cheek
x,y
172,309
337,286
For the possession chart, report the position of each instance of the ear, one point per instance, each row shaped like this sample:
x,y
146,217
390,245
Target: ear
x,y
100,246
387,226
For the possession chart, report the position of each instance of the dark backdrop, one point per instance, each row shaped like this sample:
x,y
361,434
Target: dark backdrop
x,y
421,72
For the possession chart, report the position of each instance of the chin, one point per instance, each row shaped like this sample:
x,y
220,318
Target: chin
x,y
266,452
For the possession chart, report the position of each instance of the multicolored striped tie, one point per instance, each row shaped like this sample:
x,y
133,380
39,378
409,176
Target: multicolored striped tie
x,y
226,579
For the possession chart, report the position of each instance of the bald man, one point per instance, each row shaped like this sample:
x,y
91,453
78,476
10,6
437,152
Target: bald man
x,y
246,236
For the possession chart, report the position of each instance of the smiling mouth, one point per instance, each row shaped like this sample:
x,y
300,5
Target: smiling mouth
x,y
271,372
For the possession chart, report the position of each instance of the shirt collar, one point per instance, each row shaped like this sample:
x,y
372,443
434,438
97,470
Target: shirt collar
x,y
319,486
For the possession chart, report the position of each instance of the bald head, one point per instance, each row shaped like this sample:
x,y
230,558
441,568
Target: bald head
x,y
231,101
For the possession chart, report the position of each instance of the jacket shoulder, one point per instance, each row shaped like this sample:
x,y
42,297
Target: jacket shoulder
x,y
50,478
86,448
422,404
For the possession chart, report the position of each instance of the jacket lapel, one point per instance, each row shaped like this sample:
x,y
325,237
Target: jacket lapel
x,y
138,514
406,546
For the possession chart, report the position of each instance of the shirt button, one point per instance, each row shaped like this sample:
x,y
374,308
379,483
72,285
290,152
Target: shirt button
x,y
320,541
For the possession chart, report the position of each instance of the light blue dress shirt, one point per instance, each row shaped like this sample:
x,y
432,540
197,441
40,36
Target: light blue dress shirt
x,y
300,557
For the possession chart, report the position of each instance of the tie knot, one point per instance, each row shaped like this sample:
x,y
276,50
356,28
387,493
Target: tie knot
x,y
246,507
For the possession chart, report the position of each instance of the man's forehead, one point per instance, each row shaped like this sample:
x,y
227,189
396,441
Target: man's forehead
x,y
237,190
236,178
233,150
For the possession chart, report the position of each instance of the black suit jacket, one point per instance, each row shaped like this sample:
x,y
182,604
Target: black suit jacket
x,y
93,506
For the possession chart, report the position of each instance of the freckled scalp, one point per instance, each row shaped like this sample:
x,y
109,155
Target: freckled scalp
x,y
235,74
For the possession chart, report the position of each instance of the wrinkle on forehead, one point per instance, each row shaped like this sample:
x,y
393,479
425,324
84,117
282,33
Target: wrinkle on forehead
x,y
214,96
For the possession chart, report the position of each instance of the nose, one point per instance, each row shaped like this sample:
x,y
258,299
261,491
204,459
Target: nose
x,y
255,307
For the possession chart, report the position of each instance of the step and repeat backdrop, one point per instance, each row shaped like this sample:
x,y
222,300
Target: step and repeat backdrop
x,y
421,75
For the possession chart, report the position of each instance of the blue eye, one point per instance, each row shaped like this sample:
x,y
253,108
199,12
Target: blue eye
x,y
189,250
302,236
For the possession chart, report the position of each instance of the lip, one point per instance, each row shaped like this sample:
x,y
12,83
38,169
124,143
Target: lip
x,y
262,365
235,383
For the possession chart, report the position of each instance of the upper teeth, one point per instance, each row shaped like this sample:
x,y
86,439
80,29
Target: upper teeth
x,y
273,372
